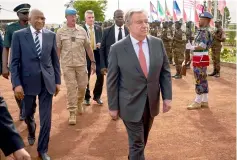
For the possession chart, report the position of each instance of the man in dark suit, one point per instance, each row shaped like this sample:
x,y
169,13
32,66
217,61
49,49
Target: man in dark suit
x,y
111,35
11,142
34,50
1,48
95,35
138,69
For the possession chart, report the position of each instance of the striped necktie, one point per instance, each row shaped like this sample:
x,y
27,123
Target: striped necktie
x,y
37,44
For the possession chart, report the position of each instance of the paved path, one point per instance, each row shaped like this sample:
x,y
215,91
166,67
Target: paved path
x,y
205,134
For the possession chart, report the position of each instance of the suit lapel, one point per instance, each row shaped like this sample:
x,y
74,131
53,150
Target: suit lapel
x,y
44,41
96,34
126,31
30,40
132,54
112,34
151,56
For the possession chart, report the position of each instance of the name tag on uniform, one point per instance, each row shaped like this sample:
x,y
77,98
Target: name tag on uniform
x,y
73,39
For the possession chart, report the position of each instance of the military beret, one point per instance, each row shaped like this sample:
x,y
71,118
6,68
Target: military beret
x,y
205,15
25,7
179,22
70,11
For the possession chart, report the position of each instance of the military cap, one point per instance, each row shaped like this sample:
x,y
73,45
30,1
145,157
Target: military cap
x,y
179,22
205,15
25,7
70,11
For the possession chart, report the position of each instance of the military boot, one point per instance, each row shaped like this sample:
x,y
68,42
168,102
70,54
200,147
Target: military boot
x,y
194,105
204,105
217,74
213,73
80,109
72,120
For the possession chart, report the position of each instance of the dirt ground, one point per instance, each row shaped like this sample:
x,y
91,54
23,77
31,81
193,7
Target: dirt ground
x,y
205,134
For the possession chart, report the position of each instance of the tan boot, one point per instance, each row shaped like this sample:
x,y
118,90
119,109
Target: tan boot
x,y
72,120
204,105
80,109
194,105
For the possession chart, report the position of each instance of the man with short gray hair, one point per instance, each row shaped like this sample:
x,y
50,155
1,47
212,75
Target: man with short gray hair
x,y
138,69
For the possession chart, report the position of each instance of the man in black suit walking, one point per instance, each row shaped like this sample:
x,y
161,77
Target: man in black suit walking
x,y
110,36
95,35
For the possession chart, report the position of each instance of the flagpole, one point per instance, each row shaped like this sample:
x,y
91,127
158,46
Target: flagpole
x,y
194,13
215,10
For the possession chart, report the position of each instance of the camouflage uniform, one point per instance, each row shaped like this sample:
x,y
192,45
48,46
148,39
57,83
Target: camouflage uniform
x,y
153,31
171,33
216,49
178,46
166,37
189,38
72,43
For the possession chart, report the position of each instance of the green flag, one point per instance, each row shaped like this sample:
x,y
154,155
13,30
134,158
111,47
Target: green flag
x,y
160,10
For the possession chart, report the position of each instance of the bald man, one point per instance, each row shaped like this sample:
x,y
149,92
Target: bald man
x,y
34,49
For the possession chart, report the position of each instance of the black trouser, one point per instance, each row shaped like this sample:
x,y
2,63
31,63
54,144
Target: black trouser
x,y
99,80
138,134
45,112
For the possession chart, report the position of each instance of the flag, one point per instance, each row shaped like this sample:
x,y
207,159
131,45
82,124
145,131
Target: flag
x,y
196,18
184,16
209,4
221,6
176,8
189,3
200,8
174,16
160,9
152,8
167,12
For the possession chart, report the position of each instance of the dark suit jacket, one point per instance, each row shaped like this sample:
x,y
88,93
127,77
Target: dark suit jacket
x,y
98,33
34,69
108,39
1,50
10,140
127,86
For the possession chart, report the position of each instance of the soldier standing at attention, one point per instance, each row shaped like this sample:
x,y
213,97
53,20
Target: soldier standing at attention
x,y
152,29
158,28
22,11
166,37
218,37
73,43
179,42
171,34
202,43
189,38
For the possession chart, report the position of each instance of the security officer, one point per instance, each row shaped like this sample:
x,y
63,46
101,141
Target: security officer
x,y
200,59
73,44
218,37
189,38
22,11
179,41
166,37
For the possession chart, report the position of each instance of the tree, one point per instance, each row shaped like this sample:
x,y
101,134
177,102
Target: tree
x,y
98,6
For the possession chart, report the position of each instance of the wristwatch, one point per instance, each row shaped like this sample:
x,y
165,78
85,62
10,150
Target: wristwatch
x,y
93,61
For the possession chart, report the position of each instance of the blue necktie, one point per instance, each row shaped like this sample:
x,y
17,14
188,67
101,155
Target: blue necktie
x,y
37,44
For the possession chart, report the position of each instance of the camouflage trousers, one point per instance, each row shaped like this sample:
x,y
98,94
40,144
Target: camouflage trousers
x,y
76,80
187,57
178,59
216,52
201,84
169,53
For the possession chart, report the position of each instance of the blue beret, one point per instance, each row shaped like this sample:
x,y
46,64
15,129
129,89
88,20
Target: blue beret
x,y
70,11
25,7
205,15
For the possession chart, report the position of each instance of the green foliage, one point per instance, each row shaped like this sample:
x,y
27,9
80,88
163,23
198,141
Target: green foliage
x,y
227,18
228,55
98,6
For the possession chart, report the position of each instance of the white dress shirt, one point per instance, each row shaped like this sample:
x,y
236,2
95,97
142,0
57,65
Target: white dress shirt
x,y
145,49
39,34
88,32
117,32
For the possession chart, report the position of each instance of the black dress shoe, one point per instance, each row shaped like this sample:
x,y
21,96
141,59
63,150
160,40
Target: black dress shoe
x,y
44,156
31,136
98,101
21,117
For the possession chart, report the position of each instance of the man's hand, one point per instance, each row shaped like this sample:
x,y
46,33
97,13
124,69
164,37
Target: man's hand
x,y
98,45
20,154
19,93
57,90
166,105
5,72
104,71
93,67
114,114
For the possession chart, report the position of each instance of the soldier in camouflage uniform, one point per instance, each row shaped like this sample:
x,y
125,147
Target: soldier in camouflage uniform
x,y
200,60
22,11
158,28
166,37
189,38
178,45
73,43
153,31
171,33
218,37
